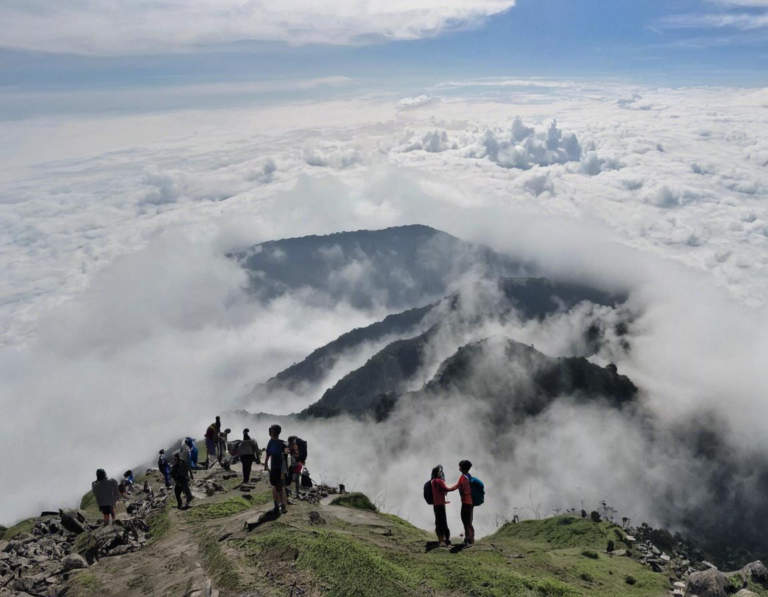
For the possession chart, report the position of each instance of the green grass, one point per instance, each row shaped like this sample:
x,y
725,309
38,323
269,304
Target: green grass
x,y
85,584
591,554
219,567
223,509
561,532
159,525
354,500
350,566
25,526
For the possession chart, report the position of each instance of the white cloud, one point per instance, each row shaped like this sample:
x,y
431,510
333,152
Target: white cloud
x,y
150,26
743,21
115,284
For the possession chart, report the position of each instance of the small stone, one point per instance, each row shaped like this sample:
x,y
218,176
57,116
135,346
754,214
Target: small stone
x,y
74,562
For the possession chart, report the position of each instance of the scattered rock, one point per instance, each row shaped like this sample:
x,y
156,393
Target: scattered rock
x,y
315,518
710,583
755,571
746,593
74,521
74,562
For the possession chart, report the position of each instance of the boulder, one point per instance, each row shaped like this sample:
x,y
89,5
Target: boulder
x,y
746,593
315,518
74,562
710,583
74,521
755,571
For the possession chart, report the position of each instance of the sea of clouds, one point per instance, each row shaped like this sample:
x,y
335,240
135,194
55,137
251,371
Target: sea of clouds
x,y
124,324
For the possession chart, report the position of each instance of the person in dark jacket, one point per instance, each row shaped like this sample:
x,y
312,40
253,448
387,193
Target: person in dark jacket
x,y
107,493
247,450
180,476
165,468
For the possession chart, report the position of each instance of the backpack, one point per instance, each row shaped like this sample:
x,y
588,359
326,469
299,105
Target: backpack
x,y
306,480
428,495
302,449
478,490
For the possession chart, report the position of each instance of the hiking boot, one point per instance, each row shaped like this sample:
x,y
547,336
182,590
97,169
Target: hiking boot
x,y
284,510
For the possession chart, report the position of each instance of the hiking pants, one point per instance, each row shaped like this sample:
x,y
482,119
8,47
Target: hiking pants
x,y
467,516
247,460
167,474
441,523
182,486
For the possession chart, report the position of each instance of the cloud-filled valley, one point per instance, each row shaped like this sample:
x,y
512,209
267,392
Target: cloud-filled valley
x,y
125,323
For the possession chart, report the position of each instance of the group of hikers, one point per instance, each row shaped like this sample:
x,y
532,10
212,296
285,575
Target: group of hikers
x,y
284,461
472,493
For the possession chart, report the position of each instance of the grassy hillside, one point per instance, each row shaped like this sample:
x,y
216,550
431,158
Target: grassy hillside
x,y
345,548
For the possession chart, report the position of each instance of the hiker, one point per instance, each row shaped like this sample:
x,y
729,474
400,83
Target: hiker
x,y
165,468
211,441
277,452
128,482
186,455
107,493
467,505
181,475
296,465
439,491
217,424
193,452
224,444
247,451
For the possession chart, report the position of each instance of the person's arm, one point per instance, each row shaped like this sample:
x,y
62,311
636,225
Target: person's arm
x,y
454,487
266,459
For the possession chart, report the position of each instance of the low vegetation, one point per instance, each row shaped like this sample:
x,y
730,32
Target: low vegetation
x,y
223,509
354,500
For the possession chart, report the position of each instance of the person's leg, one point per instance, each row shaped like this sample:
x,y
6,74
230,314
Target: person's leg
x,y
297,482
471,520
187,491
283,494
114,510
247,463
465,513
439,523
177,492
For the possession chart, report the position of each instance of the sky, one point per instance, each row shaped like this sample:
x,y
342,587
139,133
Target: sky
x,y
621,143
86,57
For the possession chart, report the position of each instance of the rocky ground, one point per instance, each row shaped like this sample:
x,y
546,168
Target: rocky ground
x,y
230,544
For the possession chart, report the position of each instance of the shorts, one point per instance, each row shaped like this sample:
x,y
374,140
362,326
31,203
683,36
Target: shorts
x,y
276,479
105,509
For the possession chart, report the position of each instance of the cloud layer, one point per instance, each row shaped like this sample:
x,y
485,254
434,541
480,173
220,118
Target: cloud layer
x,y
123,324
148,26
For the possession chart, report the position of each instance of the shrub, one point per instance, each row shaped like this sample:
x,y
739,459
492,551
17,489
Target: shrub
x,y
588,553
630,580
354,500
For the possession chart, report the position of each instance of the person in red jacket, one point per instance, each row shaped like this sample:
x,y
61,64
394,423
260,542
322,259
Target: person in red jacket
x,y
467,505
439,491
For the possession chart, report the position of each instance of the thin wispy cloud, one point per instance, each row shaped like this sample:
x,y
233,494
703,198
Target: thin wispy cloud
x,y
109,27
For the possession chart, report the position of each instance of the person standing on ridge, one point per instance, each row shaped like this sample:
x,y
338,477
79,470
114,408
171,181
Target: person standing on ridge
x,y
211,441
217,424
295,465
165,468
277,452
439,491
107,493
181,475
467,505
185,453
247,451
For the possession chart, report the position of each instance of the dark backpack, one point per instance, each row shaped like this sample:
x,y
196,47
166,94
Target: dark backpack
x,y
428,495
302,449
478,490
306,480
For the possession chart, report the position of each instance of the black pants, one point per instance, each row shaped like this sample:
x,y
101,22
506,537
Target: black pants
x,y
182,486
441,523
467,517
247,460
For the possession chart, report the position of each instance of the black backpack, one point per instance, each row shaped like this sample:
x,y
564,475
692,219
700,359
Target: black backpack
x,y
428,496
306,480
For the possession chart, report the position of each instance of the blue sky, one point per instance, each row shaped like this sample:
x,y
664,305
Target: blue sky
x,y
657,42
